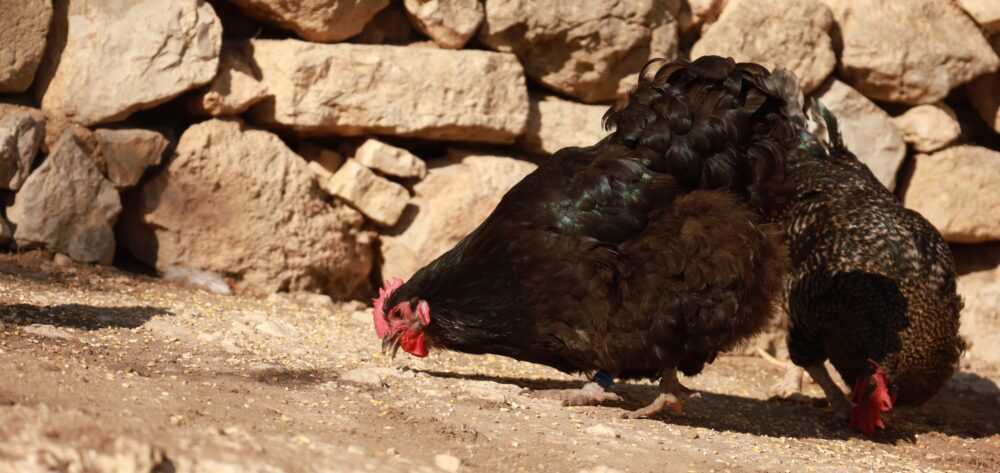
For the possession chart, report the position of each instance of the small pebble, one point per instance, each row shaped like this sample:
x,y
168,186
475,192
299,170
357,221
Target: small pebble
x,y
446,462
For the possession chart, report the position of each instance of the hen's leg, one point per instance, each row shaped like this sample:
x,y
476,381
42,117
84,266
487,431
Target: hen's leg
x,y
672,394
838,400
593,393
790,384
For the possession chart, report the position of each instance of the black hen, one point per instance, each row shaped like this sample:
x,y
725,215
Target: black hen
x,y
873,288
641,255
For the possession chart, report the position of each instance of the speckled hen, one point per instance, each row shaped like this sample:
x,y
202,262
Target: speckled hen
x,y
644,254
873,285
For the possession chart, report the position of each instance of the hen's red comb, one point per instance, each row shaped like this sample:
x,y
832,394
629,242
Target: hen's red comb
x,y
381,326
871,396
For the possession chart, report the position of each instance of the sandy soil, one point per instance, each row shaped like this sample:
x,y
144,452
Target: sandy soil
x,y
107,371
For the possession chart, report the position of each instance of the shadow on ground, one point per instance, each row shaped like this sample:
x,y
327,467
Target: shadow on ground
x,y
79,316
963,414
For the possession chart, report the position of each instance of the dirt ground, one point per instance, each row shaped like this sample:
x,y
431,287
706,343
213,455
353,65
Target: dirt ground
x,y
102,370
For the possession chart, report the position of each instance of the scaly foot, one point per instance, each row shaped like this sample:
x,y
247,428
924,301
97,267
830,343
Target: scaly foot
x,y
672,394
790,385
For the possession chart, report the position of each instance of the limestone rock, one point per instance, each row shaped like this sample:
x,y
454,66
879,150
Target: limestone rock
x,y
105,62
587,49
791,33
237,201
954,190
377,197
389,159
21,133
868,131
126,153
459,192
450,23
929,127
985,12
554,124
353,89
981,314
324,162
67,205
984,93
24,26
233,90
912,52
315,20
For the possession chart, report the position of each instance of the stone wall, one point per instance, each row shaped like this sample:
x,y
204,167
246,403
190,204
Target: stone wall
x,y
317,145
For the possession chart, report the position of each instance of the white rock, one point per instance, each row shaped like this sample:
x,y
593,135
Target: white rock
x,y
276,328
233,90
929,127
352,89
588,49
119,60
450,23
602,430
912,52
67,205
955,189
24,26
985,12
126,153
21,133
447,462
984,94
208,280
378,198
554,124
868,131
390,159
458,193
316,20
238,202
791,33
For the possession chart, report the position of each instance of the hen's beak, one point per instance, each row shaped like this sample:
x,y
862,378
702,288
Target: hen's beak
x,y
391,344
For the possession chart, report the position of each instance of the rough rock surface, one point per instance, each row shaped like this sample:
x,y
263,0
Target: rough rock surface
x,y
233,90
929,127
352,89
792,33
126,153
458,193
377,197
389,159
22,131
316,20
868,131
67,205
238,202
586,49
911,52
329,161
392,25
115,60
981,315
985,12
554,124
699,15
984,93
955,189
450,23
24,26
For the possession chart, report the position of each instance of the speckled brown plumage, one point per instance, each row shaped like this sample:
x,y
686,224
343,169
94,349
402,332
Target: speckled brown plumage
x,y
871,279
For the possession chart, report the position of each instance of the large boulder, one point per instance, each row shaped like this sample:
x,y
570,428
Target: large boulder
x,y
459,192
450,23
124,154
791,33
315,20
233,90
955,189
554,124
22,131
984,93
929,127
105,61
587,49
868,131
354,89
23,29
67,205
238,202
912,52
